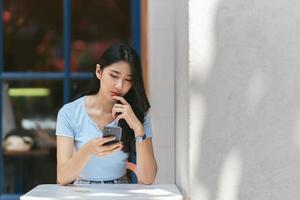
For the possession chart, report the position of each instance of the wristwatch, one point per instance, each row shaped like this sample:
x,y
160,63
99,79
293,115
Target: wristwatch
x,y
140,139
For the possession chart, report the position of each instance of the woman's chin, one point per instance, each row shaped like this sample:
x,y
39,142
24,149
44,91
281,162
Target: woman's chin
x,y
112,99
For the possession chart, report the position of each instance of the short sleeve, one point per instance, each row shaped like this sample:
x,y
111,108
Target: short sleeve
x,y
147,125
63,124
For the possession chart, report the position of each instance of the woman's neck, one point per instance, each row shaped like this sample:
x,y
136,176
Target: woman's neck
x,y
99,103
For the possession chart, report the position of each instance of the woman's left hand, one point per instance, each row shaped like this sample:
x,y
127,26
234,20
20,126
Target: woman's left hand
x,y
124,111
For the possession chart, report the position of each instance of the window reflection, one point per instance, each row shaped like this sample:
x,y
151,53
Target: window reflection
x,y
96,25
33,39
34,100
78,88
28,133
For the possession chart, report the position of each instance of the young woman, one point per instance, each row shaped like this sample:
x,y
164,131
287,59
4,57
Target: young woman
x,y
116,96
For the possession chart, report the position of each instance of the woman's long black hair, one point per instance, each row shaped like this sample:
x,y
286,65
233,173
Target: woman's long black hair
x,y
136,96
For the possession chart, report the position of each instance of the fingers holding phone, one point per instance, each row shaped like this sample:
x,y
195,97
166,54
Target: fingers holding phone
x,y
104,150
99,146
111,141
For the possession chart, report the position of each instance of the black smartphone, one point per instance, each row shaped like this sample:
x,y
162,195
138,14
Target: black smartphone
x,y
112,131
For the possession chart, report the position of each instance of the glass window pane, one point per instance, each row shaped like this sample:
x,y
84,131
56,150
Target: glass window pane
x,y
33,35
95,25
34,99
29,144
78,88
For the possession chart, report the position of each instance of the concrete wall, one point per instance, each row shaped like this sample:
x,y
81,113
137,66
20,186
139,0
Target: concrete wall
x,y
235,67
181,43
161,85
244,99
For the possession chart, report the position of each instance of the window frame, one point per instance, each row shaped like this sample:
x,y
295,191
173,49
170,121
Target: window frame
x,y
66,76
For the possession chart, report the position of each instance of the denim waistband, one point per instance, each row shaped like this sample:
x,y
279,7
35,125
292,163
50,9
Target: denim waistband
x,y
120,180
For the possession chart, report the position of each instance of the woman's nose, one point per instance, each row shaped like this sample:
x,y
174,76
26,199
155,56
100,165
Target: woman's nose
x,y
119,84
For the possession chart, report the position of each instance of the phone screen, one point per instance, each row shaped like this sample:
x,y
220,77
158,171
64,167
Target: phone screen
x,y
112,131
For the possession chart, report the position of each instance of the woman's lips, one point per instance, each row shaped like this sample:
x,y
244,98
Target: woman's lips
x,y
115,94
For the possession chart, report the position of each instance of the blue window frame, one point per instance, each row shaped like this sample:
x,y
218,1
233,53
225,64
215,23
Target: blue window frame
x,y
66,76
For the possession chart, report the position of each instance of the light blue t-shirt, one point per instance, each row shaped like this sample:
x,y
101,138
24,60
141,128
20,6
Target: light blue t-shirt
x,y
74,122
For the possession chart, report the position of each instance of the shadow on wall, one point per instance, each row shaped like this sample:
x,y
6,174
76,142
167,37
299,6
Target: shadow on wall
x,y
250,140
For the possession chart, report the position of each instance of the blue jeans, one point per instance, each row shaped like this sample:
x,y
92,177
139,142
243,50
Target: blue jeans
x,y
121,180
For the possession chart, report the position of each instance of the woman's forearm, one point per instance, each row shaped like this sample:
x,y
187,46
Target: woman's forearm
x,y
146,164
68,171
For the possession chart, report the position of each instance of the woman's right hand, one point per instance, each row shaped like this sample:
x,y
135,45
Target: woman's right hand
x,y
96,146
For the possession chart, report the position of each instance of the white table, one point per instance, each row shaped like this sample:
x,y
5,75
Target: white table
x,y
104,192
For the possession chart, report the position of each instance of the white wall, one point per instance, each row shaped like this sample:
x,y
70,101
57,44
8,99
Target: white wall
x,y
244,99
237,88
161,85
182,133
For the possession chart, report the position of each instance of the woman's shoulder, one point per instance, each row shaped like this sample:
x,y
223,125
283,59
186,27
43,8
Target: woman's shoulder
x,y
147,118
72,106
147,115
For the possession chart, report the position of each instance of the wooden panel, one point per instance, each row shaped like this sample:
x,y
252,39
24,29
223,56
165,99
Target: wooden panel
x,y
144,43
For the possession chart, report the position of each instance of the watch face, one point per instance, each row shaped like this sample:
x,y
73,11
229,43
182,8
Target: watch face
x,y
140,139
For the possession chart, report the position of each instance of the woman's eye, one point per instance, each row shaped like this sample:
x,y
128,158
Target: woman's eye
x,y
129,80
114,76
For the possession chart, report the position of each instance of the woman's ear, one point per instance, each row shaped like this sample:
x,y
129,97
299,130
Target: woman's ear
x,y
98,72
